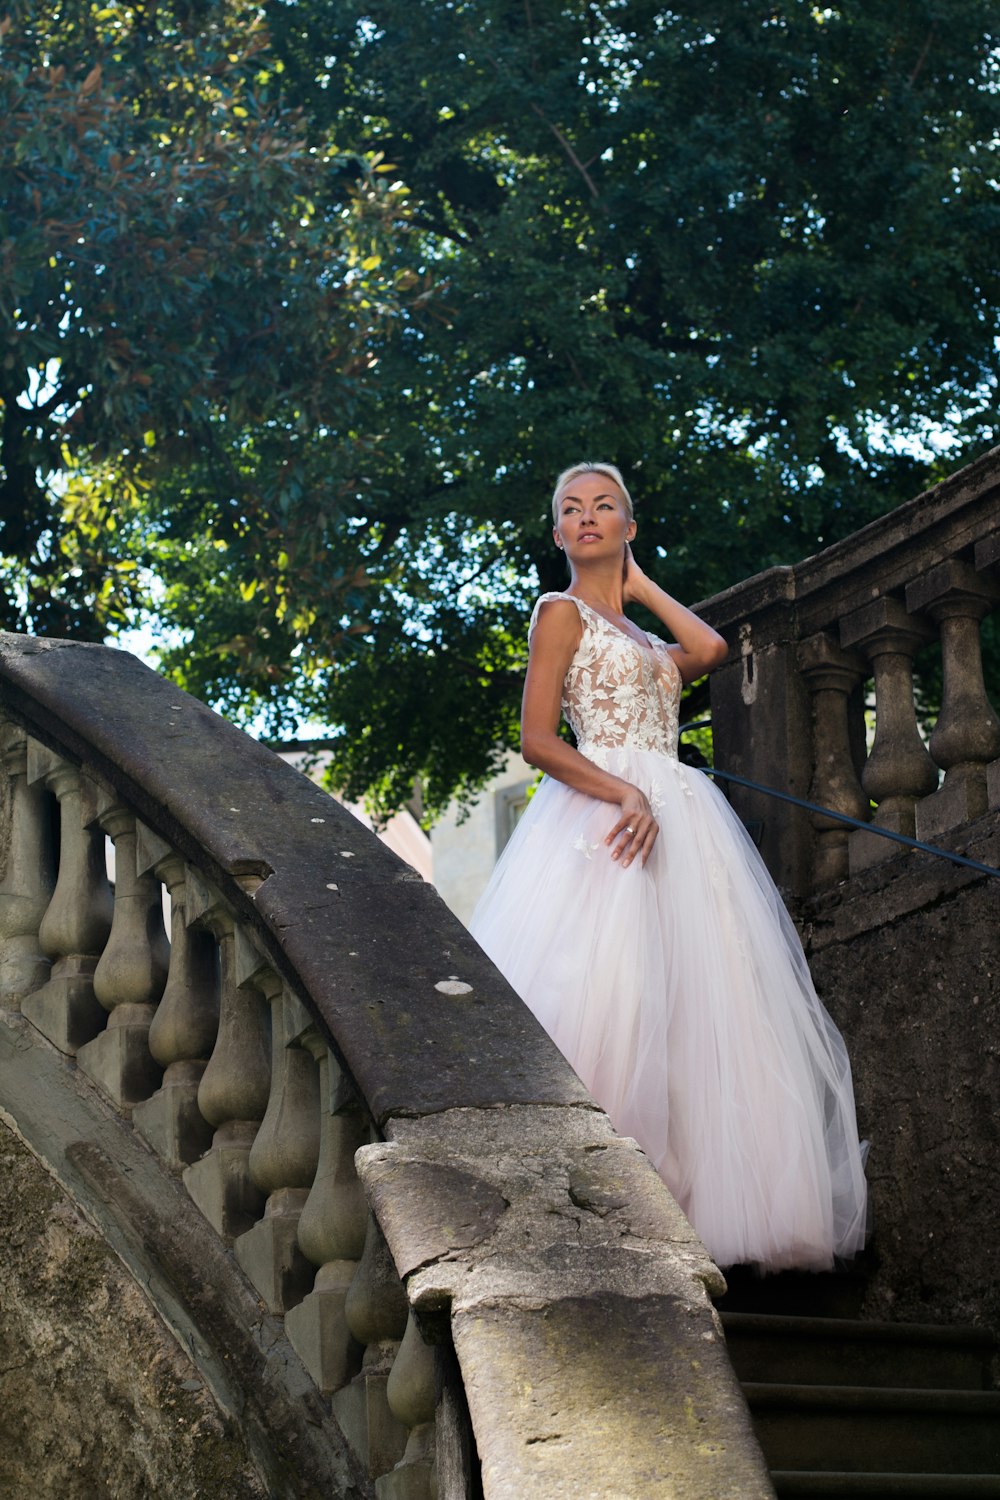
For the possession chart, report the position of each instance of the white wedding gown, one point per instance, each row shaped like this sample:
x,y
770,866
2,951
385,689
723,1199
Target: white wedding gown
x,y
679,990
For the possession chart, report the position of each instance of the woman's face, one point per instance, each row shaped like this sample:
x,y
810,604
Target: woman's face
x,y
593,519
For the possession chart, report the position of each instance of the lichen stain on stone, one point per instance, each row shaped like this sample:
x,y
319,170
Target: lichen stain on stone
x,y
453,986
96,1396
637,1393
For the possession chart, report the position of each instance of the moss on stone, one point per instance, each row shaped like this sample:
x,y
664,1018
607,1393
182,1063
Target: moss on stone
x,y
96,1397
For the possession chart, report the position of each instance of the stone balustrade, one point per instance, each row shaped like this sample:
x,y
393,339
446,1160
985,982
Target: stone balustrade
x,y
27,886
488,1291
806,641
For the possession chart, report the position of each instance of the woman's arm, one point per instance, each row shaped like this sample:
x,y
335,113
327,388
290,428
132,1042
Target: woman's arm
x,y
699,648
553,645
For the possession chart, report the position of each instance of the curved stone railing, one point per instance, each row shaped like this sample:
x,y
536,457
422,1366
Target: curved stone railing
x,y
462,1281
788,706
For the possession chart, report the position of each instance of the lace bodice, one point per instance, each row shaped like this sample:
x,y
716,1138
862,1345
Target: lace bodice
x,y
617,693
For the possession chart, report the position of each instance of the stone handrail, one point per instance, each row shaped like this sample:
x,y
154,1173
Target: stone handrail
x,y
788,706
469,1283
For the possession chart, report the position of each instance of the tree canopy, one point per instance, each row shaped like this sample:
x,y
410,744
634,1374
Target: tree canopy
x,y
743,250
188,286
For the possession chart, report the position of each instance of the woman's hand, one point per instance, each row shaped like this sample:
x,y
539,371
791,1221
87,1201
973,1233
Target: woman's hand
x,y
635,831
699,648
634,579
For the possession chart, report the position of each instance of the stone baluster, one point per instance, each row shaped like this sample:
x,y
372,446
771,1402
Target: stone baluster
x,y
284,1156
130,974
376,1309
412,1395
331,1230
77,921
29,872
833,676
967,734
899,770
987,560
234,1088
186,1022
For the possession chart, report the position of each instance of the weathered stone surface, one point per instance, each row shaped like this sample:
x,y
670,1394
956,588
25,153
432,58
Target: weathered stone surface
x,y
834,678
879,559
559,1203
65,1009
959,801
318,1332
96,1396
27,870
221,1185
119,1063
360,933
174,1262
907,958
559,1380
760,730
762,718
362,1409
568,1276
171,1121
899,888
269,1253
993,784
429,1209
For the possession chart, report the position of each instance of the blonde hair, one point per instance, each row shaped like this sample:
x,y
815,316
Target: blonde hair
x,y
575,471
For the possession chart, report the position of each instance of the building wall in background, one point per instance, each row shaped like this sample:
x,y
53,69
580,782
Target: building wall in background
x,y
466,851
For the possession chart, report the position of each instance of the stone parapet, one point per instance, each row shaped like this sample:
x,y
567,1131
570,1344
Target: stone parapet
x,y
567,1277
319,1011
921,576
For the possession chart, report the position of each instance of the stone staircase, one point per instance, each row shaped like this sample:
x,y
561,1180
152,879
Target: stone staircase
x,y
846,1408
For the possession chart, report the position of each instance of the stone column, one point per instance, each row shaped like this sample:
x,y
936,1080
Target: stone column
x,y
412,1400
761,729
77,921
284,1156
987,561
186,1022
967,734
899,770
29,872
233,1092
130,973
377,1312
331,1230
833,676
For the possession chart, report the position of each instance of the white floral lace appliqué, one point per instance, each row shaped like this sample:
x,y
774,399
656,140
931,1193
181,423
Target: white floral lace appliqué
x,y
620,694
682,778
584,847
598,754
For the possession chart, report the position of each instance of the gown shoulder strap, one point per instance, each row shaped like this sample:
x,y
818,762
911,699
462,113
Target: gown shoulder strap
x,y
545,598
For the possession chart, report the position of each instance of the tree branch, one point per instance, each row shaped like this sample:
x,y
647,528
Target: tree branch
x,y
568,149
918,66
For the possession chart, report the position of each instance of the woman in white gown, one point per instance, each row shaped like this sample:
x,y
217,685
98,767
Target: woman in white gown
x,y
635,918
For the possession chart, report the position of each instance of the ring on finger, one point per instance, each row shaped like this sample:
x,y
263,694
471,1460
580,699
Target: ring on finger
x,y
630,830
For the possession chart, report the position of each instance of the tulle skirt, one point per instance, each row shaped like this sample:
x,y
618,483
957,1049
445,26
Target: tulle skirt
x,y
680,994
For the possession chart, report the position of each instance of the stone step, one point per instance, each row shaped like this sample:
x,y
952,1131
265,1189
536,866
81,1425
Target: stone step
x,y
876,1430
839,1351
826,1294
827,1485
